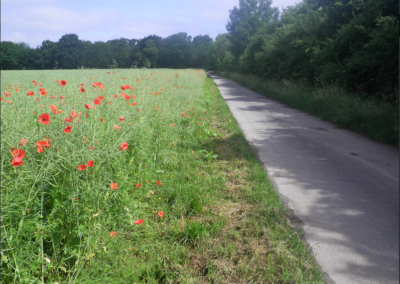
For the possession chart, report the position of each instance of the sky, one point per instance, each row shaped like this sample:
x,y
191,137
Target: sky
x,y
34,21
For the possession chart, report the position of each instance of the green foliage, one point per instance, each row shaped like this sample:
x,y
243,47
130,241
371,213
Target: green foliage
x,y
353,44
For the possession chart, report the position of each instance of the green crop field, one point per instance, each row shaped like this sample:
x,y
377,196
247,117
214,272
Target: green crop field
x,y
132,176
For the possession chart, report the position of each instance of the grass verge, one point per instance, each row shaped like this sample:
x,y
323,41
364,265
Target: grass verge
x,y
376,120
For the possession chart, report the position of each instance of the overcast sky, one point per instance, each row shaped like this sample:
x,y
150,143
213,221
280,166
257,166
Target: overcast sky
x,y
33,21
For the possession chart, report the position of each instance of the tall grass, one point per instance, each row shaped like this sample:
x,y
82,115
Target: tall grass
x,y
376,120
192,198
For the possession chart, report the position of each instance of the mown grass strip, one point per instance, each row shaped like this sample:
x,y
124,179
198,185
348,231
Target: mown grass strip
x,y
376,120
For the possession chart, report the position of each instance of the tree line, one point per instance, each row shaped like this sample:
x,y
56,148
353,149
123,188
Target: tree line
x,y
351,43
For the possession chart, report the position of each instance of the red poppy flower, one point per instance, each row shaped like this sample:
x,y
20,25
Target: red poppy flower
x,y
68,129
123,146
173,125
34,81
192,151
114,186
16,90
125,87
17,161
73,114
2,99
57,81
68,119
139,222
109,103
96,102
44,118
121,118
117,127
43,92
17,152
159,183
102,119
90,164
134,103
7,94
45,144
115,96
113,234
138,185
23,142
133,96
100,98
88,106
63,83
108,72
30,93
91,148
39,149
82,167
127,97
62,98
82,90
161,214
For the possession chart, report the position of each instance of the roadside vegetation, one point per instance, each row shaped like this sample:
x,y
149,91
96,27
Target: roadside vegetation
x,y
137,176
375,119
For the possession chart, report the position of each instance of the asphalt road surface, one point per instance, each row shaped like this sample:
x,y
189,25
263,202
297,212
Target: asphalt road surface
x,y
342,188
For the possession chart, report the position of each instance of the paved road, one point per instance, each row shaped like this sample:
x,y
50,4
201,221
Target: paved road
x,y
343,188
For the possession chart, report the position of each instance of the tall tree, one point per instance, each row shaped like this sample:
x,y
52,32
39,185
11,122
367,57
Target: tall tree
x,y
246,20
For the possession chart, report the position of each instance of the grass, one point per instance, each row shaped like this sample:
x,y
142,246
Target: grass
x,y
376,120
221,222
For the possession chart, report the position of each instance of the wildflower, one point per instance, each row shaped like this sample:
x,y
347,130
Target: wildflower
x,y
44,118
56,81
123,146
68,129
192,151
90,164
100,98
91,148
114,186
115,96
173,125
113,234
82,90
97,102
17,161
102,119
68,120
116,127
127,97
23,142
43,92
205,111
139,222
138,185
63,83
109,102
159,183
161,214
62,98
45,144
30,93
82,167
121,118
88,106
125,87
18,152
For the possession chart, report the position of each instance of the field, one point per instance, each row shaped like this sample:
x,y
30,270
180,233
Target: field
x,y
135,176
